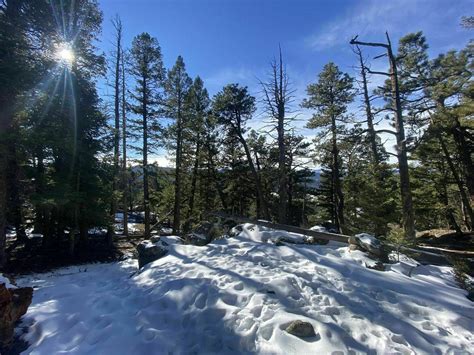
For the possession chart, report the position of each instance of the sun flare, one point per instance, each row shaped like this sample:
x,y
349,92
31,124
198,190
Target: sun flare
x,y
65,54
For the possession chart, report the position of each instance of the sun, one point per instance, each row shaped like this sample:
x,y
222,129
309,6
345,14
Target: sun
x,y
65,54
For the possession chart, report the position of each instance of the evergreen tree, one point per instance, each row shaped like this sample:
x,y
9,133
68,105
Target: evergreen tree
x,y
330,97
177,88
147,69
197,109
234,107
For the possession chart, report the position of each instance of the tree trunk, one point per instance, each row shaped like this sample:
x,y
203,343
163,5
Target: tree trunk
x,y
177,182
443,196
14,198
464,152
146,196
457,179
124,152
405,188
372,135
194,177
215,176
258,184
336,181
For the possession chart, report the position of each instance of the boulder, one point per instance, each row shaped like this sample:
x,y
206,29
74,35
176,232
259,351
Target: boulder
x,y
148,252
301,329
367,242
205,233
14,302
233,232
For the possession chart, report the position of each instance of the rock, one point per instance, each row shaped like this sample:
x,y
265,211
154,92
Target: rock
x,y
470,295
205,233
148,252
379,266
368,243
354,247
155,238
236,230
14,302
301,329
228,224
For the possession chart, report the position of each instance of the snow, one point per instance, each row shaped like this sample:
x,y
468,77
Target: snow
x,y
319,229
5,281
368,239
237,295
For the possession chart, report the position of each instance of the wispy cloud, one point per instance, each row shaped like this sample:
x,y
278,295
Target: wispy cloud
x,y
371,18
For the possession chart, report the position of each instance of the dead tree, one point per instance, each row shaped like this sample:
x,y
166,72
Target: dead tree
x,y
371,133
124,150
117,60
399,133
277,96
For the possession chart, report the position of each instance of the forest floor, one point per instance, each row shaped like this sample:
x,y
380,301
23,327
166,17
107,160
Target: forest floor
x,y
36,259
237,295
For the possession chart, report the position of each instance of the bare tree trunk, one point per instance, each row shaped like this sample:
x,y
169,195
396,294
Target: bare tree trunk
x,y
408,215
405,189
368,111
194,177
277,97
146,195
336,181
118,52
258,184
177,182
124,152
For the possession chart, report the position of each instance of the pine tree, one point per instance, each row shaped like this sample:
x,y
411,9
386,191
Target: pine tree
x,y
197,103
234,107
177,88
147,70
330,97
393,95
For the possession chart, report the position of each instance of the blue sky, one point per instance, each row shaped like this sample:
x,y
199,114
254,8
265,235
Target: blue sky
x,y
226,41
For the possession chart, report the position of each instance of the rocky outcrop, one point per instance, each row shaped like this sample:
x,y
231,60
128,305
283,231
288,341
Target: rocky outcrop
x,y
148,252
301,329
366,242
14,302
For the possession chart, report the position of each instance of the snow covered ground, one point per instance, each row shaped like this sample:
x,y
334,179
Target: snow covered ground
x,y
237,295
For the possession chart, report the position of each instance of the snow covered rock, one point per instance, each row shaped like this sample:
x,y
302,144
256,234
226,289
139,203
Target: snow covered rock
x,y
14,302
148,252
367,242
301,329
205,233
319,229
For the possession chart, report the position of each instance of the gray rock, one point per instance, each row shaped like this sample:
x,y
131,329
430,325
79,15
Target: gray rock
x,y
368,243
155,238
148,252
233,232
301,329
205,233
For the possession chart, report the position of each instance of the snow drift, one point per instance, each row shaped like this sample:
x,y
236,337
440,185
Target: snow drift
x,y
237,295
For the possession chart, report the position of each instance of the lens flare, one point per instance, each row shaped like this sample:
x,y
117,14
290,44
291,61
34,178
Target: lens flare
x,y
65,54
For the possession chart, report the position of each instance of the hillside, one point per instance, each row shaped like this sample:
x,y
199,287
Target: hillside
x,y
237,295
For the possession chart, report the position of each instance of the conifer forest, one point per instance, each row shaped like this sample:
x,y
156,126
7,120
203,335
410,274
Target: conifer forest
x,y
148,206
